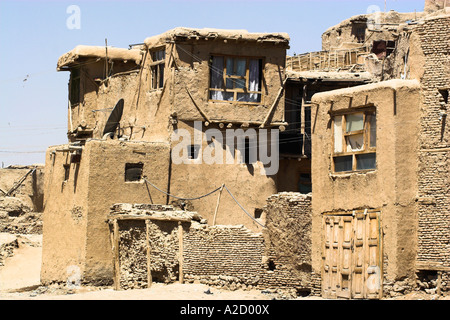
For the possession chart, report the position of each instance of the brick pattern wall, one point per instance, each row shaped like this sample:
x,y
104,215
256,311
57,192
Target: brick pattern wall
x,y
226,256
434,184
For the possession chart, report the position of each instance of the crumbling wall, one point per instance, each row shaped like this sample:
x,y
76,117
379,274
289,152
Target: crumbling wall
x,y
30,191
225,256
434,193
288,241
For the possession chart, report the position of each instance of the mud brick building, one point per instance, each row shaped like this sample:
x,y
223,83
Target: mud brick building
x,y
361,124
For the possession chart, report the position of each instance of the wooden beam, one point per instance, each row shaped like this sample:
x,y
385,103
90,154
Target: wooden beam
x,y
132,217
149,270
180,252
116,255
266,120
217,206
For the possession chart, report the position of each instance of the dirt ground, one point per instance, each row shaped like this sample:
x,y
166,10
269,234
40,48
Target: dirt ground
x,y
20,280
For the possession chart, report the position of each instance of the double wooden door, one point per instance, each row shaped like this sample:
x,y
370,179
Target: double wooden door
x,y
352,256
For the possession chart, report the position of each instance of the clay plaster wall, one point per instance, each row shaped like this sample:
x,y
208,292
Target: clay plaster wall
x,y
392,187
344,34
30,192
75,231
193,72
98,96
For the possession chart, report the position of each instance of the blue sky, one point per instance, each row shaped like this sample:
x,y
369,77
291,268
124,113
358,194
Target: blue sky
x,y
34,34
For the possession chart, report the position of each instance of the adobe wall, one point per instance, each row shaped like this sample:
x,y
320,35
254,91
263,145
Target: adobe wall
x,y
75,231
99,96
392,187
385,24
65,215
250,187
30,192
225,256
192,59
434,199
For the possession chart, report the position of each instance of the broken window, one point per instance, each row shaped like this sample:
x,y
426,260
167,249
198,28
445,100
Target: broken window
x,y
235,79
359,32
355,136
157,68
383,48
74,86
133,171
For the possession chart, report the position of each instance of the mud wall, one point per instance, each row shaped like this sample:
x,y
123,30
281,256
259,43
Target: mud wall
x,y
30,192
392,187
75,231
225,256
434,197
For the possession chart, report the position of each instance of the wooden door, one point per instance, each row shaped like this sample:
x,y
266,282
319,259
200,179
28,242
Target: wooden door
x,y
351,256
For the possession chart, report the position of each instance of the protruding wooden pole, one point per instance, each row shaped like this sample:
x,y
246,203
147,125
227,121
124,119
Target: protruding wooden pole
x,y
180,251
116,255
149,270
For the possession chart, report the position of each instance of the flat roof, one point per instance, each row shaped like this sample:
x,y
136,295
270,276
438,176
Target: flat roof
x,y
70,58
210,33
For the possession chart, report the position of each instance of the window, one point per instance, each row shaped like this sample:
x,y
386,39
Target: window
x,y
157,68
74,86
133,172
66,172
193,151
235,79
304,183
355,136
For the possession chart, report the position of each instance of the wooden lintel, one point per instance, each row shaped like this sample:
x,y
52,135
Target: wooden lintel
x,y
431,267
133,217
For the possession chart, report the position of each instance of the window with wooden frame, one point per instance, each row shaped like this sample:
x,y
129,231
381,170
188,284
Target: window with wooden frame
x,y
236,79
157,69
75,86
354,145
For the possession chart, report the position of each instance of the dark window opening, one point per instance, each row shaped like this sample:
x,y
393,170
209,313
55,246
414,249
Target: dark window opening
x,y
304,183
343,164
133,171
66,172
75,87
193,151
258,213
247,152
359,32
157,69
383,49
444,94
271,265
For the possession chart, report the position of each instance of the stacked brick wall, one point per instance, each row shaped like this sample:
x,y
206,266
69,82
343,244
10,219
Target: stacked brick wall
x,y
434,184
434,193
234,257
226,256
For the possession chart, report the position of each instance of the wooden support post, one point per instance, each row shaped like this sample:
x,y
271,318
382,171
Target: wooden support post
x,y
180,251
439,283
116,255
217,206
149,270
303,119
266,120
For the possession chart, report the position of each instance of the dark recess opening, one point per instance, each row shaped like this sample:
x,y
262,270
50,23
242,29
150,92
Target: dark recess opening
x,y
133,171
